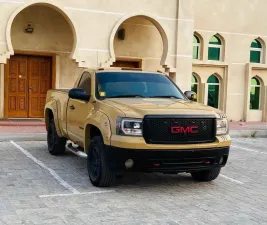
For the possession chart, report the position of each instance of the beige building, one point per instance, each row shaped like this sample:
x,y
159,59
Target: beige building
x,y
216,48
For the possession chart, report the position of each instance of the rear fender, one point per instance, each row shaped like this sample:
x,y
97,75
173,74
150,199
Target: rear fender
x,y
51,107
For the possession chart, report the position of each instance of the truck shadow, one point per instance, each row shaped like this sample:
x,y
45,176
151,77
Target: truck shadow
x,y
130,180
153,179
73,165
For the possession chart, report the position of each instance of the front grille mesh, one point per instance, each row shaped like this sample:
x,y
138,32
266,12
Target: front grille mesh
x,y
158,130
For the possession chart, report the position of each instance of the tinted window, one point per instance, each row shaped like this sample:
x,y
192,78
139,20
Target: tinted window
x,y
214,53
255,92
196,44
255,56
85,83
112,84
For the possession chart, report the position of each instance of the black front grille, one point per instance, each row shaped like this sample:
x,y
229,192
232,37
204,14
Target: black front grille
x,y
176,129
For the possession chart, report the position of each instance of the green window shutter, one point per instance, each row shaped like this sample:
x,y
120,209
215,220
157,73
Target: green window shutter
x,y
214,54
194,88
255,56
215,41
255,92
255,98
195,52
213,80
213,95
256,44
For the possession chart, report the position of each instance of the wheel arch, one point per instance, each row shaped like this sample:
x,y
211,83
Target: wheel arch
x,y
50,115
100,126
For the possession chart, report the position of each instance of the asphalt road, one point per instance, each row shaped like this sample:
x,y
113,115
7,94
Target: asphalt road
x,y
37,188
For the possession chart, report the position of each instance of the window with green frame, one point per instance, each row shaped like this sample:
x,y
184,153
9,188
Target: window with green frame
x,y
215,49
194,85
255,51
213,91
196,47
255,93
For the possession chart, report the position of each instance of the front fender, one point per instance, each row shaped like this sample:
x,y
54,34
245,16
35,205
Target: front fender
x,y
101,121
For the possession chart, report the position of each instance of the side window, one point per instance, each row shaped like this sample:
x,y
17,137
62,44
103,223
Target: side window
x,y
85,83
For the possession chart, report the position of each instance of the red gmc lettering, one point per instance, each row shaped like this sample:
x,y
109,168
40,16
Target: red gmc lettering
x,y
185,130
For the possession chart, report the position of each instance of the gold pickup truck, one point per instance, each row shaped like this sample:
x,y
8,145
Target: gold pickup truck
x,y
127,120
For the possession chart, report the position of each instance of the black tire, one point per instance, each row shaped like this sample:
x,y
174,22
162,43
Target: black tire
x,y
98,169
56,145
206,175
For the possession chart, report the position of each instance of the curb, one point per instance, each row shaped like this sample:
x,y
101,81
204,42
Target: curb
x,y
43,136
248,133
23,137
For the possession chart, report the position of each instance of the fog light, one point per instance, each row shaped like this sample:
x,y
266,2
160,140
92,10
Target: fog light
x,y
129,164
221,161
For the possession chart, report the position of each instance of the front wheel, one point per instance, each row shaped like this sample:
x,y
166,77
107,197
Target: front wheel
x,y
206,175
97,164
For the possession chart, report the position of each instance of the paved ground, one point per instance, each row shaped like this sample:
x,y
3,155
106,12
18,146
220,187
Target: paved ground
x,y
37,188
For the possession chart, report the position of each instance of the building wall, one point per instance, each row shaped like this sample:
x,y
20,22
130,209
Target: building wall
x,y
238,22
93,43
94,24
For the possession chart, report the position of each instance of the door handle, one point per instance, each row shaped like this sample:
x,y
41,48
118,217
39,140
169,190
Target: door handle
x,y
72,107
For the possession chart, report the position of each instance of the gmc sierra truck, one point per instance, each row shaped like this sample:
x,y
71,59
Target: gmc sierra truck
x,y
128,120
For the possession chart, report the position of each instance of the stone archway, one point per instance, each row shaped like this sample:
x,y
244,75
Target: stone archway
x,y
41,58
44,3
146,22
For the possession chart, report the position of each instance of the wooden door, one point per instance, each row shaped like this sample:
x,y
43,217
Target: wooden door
x,y
39,72
27,82
16,101
127,63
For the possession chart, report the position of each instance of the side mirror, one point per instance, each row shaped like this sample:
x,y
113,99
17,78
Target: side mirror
x,y
191,95
79,94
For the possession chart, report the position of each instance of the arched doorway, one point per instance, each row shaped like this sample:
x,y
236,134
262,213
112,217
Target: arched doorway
x,y
42,40
139,41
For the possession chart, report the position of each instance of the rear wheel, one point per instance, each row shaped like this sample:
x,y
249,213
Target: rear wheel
x,y
206,175
98,169
56,144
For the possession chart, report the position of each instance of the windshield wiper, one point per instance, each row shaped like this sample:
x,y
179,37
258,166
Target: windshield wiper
x,y
165,96
127,96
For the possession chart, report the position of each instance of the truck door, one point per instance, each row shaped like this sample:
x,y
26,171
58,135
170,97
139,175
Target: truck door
x,y
78,111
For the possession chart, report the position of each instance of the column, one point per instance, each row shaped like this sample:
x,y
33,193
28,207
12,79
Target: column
x,y
184,35
2,92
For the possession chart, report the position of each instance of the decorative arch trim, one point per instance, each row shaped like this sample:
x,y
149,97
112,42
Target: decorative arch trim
x,y
216,75
199,36
155,22
259,79
220,37
199,80
259,39
46,3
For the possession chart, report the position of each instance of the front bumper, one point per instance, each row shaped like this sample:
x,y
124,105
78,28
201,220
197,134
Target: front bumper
x,y
166,161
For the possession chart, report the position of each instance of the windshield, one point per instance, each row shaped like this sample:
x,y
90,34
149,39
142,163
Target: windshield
x,y
130,84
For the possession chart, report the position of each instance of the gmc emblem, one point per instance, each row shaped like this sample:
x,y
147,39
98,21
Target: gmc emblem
x,y
185,130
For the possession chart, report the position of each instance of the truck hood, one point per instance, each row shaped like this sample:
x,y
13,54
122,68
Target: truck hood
x,y
139,107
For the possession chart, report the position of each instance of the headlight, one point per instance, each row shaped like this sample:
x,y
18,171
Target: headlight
x,y
129,126
222,125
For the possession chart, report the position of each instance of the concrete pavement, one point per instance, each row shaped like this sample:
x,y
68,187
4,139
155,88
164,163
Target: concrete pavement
x,y
38,188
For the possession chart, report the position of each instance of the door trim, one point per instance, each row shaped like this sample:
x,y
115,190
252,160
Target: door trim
x,y
27,53
136,60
